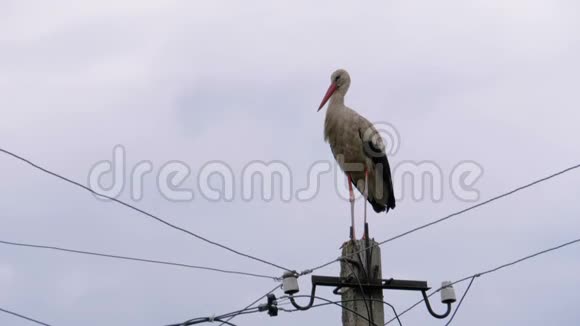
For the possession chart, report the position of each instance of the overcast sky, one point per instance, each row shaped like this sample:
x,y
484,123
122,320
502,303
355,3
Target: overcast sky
x,y
493,82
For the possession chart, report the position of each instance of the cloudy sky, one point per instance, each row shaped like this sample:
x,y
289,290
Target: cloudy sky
x,y
493,82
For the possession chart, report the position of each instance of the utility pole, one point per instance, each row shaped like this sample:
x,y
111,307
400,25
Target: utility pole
x,y
363,267
361,285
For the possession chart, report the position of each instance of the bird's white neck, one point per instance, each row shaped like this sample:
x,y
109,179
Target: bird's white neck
x,y
336,100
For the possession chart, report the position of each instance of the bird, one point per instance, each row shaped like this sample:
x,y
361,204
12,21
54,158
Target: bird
x,y
359,150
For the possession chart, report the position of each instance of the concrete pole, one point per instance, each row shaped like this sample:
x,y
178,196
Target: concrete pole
x,y
351,269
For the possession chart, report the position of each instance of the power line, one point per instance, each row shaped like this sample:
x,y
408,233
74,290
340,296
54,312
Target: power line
x,y
152,261
394,312
225,322
329,302
54,174
492,270
250,310
460,301
204,320
251,304
24,317
361,290
533,183
222,318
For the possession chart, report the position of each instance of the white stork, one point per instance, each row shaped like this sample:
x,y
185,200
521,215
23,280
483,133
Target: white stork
x,y
358,148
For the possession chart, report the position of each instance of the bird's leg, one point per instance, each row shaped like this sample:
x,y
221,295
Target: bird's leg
x,y
366,194
351,199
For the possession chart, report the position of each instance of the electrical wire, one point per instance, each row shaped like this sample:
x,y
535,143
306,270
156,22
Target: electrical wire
x,y
372,300
329,302
340,302
394,312
145,260
222,318
54,174
241,312
506,194
200,319
24,317
472,277
204,320
460,301
224,322
492,270
253,303
348,263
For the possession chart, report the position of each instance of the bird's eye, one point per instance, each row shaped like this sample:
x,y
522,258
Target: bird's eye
x,y
336,78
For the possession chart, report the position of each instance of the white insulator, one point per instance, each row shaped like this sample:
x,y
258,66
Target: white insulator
x,y
447,292
290,283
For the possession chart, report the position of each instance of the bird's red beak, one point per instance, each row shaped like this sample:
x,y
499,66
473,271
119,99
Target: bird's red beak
x,y
329,93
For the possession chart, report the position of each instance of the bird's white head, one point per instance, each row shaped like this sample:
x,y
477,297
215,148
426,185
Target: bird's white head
x,y
339,84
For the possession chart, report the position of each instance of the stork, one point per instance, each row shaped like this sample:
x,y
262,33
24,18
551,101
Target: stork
x,y
358,149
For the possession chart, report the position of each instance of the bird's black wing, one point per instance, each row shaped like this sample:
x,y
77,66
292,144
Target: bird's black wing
x,y
375,150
